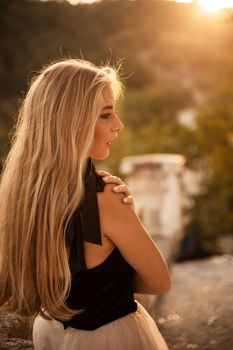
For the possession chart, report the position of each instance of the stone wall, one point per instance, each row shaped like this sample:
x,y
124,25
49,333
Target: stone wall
x,y
155,182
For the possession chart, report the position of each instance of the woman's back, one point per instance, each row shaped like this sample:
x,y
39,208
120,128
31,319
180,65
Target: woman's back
x,y
104,291
111,318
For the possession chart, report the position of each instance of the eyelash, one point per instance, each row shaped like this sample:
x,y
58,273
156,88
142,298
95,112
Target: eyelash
x,y
105,115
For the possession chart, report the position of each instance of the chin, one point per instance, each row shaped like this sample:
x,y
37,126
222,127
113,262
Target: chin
x,y
100,156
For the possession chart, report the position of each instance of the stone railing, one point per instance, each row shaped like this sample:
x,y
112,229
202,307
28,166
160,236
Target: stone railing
x,y
155,181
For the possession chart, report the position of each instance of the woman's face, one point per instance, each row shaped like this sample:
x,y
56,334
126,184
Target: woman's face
x,y
107,126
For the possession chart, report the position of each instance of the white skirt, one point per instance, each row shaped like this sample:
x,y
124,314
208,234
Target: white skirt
x,y
136,331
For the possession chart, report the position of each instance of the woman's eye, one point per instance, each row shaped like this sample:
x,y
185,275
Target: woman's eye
x,y
105,115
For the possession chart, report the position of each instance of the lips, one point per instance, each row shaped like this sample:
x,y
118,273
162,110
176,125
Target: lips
x,y
110,142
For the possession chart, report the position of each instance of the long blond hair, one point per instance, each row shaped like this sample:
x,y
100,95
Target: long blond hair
x,y
42,184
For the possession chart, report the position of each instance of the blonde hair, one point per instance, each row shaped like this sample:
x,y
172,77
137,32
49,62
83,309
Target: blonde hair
x,y
42,184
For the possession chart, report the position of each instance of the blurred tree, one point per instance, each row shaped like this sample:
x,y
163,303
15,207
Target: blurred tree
x,y
214,138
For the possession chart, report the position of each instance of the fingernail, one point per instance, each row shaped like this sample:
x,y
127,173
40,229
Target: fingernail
x,y
115,188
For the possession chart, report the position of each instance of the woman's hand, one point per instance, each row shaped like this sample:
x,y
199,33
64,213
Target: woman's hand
x,y
120,187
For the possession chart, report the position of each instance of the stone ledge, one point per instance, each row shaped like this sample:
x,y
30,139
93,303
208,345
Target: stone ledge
x,y
15,343
15,331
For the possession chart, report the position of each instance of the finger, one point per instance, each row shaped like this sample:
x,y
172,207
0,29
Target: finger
x,y
123,188
128,199
102,173
113,179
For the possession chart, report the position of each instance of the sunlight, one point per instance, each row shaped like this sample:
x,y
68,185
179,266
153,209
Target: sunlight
x,y
215,5
208,5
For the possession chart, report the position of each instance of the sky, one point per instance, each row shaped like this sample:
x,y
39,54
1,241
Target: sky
x,y
208,5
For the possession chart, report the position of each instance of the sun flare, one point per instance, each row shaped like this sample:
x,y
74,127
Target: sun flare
x,y
215,5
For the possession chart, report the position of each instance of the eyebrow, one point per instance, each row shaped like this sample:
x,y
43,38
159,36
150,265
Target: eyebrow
x,y
108,107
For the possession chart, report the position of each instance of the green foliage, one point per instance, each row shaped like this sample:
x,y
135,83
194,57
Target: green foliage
x,y
155,104
151,116
214,205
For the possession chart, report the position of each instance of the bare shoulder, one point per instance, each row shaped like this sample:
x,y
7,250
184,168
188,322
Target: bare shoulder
x,y
122,226
112,209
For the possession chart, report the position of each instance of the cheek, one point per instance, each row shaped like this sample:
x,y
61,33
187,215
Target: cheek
x,y
99,134
97,137
100,149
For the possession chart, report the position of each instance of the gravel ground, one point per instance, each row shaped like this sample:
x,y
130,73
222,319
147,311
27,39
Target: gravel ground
x,y
15,332
197,313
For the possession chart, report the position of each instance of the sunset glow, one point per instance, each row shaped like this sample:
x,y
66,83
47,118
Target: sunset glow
x,y
208,5
215,5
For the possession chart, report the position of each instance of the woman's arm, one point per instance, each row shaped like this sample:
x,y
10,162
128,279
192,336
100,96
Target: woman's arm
x,y
140,287
123,227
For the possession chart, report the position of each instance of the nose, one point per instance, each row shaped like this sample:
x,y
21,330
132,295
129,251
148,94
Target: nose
x,y
118,125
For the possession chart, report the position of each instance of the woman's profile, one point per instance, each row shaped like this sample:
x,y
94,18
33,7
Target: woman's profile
x,y
72,254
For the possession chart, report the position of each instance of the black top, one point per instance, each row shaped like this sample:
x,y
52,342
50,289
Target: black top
x,y
105,292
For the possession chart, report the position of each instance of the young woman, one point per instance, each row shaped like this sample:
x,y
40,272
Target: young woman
x,y
72,253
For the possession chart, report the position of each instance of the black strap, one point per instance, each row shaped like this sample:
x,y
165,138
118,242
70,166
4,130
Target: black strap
x,y
84,225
